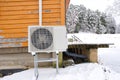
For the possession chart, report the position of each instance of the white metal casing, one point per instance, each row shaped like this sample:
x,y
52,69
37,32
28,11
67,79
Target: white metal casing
x,y
59,39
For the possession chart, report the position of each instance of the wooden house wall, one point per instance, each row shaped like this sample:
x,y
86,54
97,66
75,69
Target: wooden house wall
x,y
17,15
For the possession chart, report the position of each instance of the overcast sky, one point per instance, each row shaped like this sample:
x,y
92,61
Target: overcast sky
x,y
93,4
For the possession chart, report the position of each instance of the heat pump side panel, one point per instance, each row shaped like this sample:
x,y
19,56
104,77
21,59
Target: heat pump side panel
x,y
60,38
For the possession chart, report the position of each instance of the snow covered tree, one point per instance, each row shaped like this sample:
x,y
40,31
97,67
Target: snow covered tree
x,y
110,24
72,18
92,21
118,29
115,8
80,19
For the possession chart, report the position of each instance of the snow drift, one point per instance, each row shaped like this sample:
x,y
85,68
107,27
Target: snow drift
x,y
86,71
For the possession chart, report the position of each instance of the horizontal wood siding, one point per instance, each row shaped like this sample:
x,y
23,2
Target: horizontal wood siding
x,y
17,15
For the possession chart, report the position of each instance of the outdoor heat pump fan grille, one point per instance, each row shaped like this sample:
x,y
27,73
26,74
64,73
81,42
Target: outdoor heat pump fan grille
x,y
47,38
42,38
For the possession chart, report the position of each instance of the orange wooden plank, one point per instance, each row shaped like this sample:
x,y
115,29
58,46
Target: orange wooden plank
x,y
24,44
54,10
51,19
22,3
28,12
51,2
51,23
25,3
63,12
17,8
51,15
29,20
33,16
9,31
15,0
18,21
18,35
51,6
28,0
16,26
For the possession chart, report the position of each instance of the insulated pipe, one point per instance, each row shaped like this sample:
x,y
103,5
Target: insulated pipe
x,y
40,12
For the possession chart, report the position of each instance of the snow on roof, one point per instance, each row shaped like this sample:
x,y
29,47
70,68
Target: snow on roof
x,y
86,71
79,38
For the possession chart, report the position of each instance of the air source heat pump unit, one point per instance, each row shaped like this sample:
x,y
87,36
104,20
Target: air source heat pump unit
x,y
47,39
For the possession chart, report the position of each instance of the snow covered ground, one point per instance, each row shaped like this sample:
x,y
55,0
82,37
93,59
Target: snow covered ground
x,y
110,57
86,71
107,69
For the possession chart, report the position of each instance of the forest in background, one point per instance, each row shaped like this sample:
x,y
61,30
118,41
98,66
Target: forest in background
x,y
81,19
